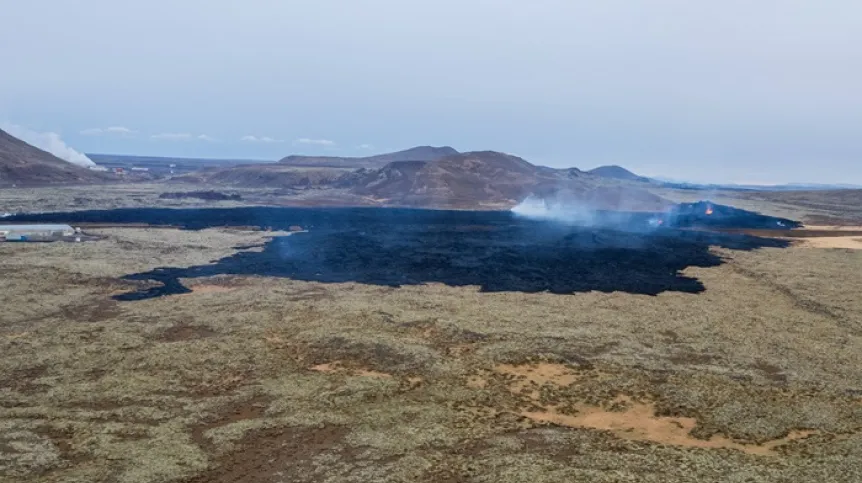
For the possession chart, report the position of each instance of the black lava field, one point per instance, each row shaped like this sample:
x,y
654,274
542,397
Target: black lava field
x,y
496,251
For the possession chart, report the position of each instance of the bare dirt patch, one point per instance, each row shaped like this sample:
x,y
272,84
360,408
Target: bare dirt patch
x,y
234,413
638,421
846,242
771,372
834,227
24,380
477,382
538,375
277,454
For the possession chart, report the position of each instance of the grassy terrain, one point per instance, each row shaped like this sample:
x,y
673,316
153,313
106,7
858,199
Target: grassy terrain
x,y
146,195
812,207
759,378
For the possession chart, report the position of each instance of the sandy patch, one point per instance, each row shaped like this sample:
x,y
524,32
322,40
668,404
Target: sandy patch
x,y
538,375
477,382
638,422
849,242
338,367
15,336
832,228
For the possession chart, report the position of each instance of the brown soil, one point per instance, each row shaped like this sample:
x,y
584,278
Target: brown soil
x,y
538,375
278,454
477,382
23,380
62,440
246,410
847,242
834,227
772,372
16,335
816,236
639,422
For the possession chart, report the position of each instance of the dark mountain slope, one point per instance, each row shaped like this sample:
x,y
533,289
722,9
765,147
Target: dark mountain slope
x,y
24,165
616,172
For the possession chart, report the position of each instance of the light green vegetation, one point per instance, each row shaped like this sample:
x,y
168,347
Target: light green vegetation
x,y
263,379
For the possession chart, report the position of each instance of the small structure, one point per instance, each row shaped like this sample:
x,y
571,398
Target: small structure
x,y
35,233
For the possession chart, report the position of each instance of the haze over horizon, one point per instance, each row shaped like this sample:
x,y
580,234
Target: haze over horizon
x,y
735,91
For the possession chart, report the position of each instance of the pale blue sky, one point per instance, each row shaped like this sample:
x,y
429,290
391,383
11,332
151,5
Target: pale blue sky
x,y
730,91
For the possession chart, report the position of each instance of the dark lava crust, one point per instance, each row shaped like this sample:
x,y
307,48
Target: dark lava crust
x,y
496,251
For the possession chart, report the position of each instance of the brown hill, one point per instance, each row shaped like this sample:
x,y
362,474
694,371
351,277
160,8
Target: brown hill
x,y
419,153
476,180
24,165
490,179
616,172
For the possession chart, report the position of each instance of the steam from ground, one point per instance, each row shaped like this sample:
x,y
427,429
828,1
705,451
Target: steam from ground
x,y
568,209
556,210
50,142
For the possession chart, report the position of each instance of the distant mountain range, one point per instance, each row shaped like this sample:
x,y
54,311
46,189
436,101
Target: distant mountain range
x,y
419,153
438,177
24,165
423,176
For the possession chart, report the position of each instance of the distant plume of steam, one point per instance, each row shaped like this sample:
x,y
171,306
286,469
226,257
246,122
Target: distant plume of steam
x,y
558,210
50,142
570,209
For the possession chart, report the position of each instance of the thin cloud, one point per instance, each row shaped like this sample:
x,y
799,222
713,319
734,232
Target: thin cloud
x,y
183,136
315,142
365,146
260,139
119,130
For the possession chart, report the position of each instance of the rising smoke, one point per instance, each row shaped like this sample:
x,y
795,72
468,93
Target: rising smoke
x,y
50,142
568,209
555,209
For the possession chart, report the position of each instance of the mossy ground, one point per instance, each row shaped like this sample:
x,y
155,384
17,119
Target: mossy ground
x,y
225,384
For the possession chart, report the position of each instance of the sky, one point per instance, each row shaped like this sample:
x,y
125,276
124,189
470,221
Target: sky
x,y
763,91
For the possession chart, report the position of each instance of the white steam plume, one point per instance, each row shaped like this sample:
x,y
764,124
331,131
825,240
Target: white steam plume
x,y
556,210
50,142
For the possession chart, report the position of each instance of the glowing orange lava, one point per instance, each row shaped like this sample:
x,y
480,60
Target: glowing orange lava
x,y
709,210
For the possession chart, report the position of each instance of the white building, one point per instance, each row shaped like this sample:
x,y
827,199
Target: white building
x,y
34,232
